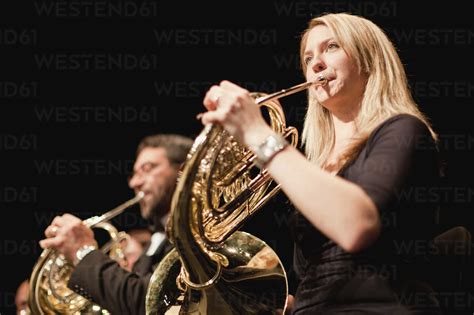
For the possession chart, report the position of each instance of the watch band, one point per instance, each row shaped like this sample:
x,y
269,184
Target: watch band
x,y
268,149
82,252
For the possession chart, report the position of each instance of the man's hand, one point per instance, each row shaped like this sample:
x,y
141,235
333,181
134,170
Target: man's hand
x,y
67,234
289,305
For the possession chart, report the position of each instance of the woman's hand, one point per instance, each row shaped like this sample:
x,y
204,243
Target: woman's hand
x,y
232,107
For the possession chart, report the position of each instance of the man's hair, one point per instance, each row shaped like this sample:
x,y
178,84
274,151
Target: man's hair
x,y
176,146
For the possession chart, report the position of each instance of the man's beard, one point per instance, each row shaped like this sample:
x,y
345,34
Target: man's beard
x,y
160,205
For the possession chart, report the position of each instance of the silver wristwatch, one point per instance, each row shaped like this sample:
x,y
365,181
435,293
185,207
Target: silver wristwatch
x,y
82,252
268,149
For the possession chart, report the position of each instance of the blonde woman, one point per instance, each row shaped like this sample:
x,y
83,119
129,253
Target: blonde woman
x,y
368,150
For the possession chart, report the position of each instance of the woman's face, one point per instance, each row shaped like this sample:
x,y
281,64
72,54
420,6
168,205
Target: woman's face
x,y
323,54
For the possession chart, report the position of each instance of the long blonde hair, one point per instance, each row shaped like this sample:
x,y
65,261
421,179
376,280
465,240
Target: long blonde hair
x,y
386,92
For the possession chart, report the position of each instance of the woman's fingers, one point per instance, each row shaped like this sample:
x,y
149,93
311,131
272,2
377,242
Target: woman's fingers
x,y
211,100
51,231
229,86
217,116
225,90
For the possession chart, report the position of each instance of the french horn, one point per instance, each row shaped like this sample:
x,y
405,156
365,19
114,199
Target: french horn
x,y
48,291
214,268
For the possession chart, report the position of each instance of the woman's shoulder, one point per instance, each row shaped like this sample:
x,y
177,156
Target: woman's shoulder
x,y
402,125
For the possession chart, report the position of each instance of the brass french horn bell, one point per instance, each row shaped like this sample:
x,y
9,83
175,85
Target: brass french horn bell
x,y
215,269
48,292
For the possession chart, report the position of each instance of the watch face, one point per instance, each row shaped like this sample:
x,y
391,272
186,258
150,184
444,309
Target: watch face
x,y
267,151
82,252
272,145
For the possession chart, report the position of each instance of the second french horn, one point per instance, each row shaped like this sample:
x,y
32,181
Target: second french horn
x,y
49,293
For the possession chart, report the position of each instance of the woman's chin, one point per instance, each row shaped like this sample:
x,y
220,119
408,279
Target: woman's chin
x,y
322,98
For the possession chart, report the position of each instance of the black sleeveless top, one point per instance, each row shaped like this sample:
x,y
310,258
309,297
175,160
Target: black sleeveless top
x,y
396,168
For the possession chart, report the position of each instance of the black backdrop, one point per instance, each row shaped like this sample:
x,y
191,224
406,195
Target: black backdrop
x,y
82,81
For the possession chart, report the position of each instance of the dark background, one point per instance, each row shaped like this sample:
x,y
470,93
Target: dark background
x,y
81,82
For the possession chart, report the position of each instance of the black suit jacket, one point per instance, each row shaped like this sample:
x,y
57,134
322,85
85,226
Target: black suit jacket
x,y
101,280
